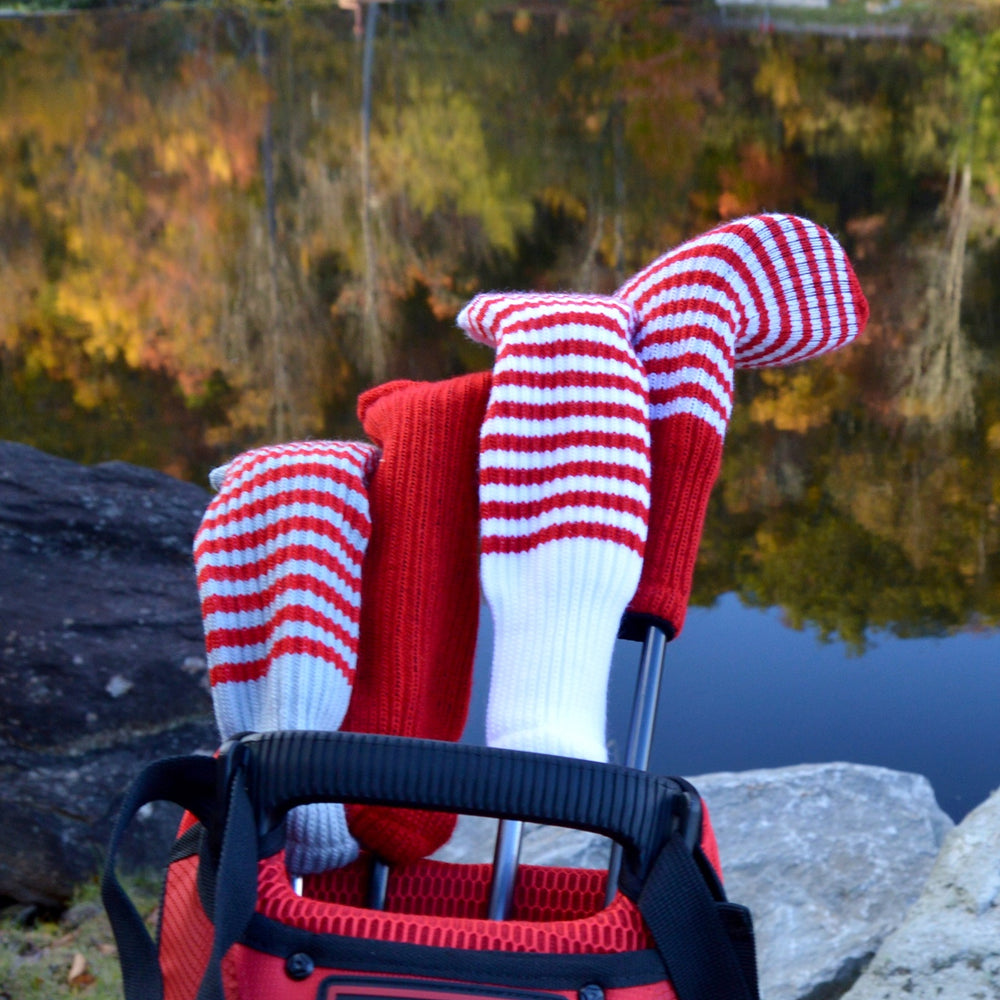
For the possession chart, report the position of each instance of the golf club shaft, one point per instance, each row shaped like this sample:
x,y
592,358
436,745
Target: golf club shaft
x,y
640,737
378,883
506,855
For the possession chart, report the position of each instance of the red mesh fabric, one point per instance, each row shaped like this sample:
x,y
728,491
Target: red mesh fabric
x,y
433,888
556,910
185,932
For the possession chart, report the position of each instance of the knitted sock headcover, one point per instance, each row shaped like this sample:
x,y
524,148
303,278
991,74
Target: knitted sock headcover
x,y
278,557
564,504
761,291
420,591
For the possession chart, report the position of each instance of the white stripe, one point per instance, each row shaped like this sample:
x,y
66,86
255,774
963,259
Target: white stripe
x,y
231,499
660,382
690,348
686,321
654,276
507,310
239,532
252,618
560,332
252,464
510,392
516,363
521,527
689,302
692,407
232,587
526,493
293,695
349,457
501,458
252,652
526,428
259,553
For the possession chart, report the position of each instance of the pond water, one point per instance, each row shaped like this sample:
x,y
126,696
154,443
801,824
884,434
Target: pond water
x,y
218,226
742,690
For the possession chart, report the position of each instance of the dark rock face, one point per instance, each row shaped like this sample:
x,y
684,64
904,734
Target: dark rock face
x,y
102,662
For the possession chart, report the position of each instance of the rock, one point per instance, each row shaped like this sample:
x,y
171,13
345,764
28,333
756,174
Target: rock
x,y
827,857
99,629
948,946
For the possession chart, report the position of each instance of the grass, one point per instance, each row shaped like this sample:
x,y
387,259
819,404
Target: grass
x,y
70,957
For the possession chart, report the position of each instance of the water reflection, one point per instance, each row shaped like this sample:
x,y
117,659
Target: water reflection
x,y
741,690
190,265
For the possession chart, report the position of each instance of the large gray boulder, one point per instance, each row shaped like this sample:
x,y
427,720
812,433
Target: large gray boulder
x,y
102,662
948,946
828,857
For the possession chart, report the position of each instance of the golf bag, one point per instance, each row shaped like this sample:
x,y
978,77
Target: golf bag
x,y
232,926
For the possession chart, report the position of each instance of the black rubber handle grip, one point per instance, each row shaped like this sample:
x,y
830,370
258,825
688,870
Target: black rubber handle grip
x,y
637,809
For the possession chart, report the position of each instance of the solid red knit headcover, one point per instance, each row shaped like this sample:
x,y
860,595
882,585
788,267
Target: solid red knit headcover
x,y
420,587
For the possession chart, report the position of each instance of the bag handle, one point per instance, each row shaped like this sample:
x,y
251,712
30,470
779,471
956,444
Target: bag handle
x,y
706,944
636,809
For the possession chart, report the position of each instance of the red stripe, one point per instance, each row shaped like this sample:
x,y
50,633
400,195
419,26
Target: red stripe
x,y
832,338
571,347
571,439
691,252
777,350
691,390
268,534
257,568
497,545
692,357
762,258
251,635
560,310
671,366
522,510
234,603
224,673
266,508
817,290
498,476
229,673
555,411
309,467
566,380
677,307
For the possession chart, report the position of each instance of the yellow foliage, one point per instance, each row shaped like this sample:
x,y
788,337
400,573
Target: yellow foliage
x,y
777,78
801,398
436,152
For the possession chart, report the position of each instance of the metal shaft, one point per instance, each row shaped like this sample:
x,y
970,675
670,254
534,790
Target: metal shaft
x,y
506,855
378,884
640,737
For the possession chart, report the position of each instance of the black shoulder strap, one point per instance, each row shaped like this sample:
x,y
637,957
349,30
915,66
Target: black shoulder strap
x,y
706,943
190,783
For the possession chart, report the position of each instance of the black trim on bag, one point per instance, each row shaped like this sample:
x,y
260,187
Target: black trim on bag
x,y
422,988
187,844
517,969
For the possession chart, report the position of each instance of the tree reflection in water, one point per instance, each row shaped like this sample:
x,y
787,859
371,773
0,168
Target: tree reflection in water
x,y
193,247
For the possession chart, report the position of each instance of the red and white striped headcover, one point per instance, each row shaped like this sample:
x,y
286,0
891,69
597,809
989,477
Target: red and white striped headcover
x,y
763,291
278,557
564,448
